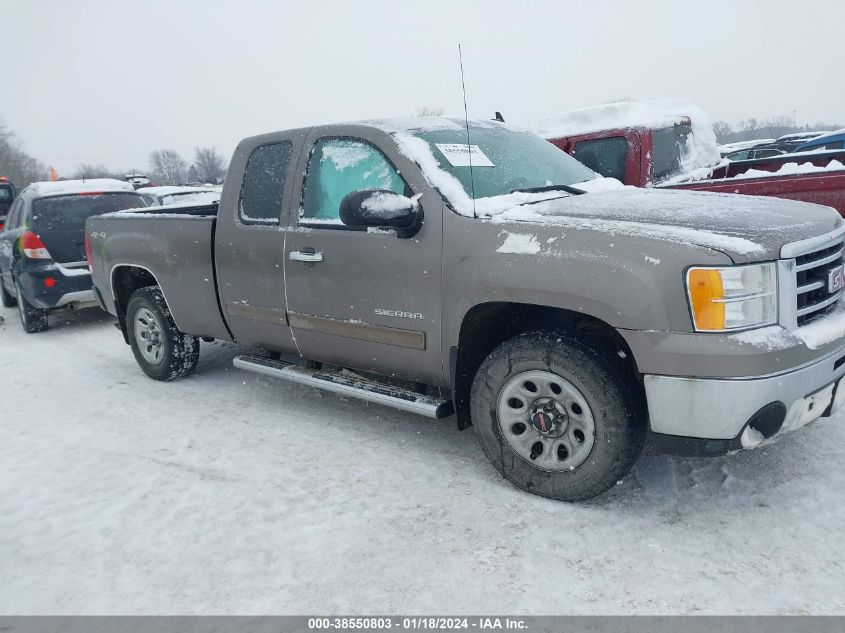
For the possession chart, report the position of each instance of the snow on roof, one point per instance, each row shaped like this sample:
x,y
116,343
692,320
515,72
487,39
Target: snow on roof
x,y
167,190
654,114
701,149
432,124
826,135
737,145
64,187
803,135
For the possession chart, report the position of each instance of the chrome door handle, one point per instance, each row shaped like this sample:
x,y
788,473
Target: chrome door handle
x,y
305,256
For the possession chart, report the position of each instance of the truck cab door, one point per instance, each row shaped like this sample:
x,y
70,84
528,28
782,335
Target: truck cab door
x,y
365,299
249,240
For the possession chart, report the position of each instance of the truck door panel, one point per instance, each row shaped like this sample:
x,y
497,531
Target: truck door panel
x,y
249,247
363,299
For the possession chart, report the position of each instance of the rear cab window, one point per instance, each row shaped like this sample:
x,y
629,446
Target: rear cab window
x,y
668,151
263,186
69,212
605,156
339,166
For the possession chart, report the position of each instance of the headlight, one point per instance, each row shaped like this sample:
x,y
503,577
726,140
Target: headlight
x,y
733,298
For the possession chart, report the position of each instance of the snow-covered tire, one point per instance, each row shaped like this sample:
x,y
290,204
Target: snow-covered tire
x,y
8,300
584,423
162,351
32,319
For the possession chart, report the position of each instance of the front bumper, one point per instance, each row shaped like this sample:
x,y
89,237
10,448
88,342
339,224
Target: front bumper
x,y
711,416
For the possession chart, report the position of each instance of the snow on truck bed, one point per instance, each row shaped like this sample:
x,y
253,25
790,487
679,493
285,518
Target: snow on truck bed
x,y
232,493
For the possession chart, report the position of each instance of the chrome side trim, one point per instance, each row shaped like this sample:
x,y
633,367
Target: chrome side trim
x,y
357,330
256,313
812,244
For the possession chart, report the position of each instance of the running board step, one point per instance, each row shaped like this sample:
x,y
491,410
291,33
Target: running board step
x,y
349,384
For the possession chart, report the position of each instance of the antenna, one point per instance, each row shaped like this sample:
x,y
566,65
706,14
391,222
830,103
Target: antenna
x,y
466,121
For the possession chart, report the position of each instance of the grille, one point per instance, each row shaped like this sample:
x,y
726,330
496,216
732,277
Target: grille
x,y
811,280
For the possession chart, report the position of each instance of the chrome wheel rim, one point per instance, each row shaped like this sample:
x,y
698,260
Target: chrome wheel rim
x,y
546,421
148,336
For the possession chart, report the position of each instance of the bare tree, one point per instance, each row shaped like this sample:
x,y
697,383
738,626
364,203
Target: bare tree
x,y
208,165
723,130
93,171
167,166
15,163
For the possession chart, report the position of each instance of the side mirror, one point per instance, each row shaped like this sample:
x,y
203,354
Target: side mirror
x,y
381,208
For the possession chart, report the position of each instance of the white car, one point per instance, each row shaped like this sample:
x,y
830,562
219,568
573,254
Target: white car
x,y
160,196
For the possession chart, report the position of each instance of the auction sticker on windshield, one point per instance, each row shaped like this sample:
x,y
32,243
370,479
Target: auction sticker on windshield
x,y
459,155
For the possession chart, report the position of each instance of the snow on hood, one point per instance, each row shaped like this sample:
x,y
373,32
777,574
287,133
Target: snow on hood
x,y
702,148
63,187
748,228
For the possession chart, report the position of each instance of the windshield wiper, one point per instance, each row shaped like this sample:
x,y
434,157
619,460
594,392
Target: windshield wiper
x,y
569,189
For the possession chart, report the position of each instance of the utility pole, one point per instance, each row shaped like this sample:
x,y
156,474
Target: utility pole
x,y
794,119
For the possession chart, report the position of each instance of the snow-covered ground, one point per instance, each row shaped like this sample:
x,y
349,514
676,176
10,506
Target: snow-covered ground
x,y
232,493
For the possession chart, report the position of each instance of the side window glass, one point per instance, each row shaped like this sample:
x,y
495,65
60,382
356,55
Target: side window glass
x,y
264,183
605,156
14,214
338,166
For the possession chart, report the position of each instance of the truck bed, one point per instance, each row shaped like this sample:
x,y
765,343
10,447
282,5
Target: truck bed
x,y
174,244
826,188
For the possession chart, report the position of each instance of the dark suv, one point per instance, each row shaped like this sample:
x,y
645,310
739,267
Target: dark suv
x,y
43,264
7,196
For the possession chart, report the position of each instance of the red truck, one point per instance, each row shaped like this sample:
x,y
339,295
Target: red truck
x,y
669,144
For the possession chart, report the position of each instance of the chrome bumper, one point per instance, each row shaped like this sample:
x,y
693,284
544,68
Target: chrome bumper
x,y
720,408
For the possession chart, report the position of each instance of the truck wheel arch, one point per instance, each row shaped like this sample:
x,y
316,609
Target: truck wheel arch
x,y
486,325
123,281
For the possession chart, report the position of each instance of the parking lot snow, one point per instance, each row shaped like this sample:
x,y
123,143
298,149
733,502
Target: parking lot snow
x,y
228,492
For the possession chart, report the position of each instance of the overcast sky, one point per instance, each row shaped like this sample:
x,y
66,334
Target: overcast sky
x,y
108,81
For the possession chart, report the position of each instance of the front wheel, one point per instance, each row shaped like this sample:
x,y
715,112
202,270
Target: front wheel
x,y
32,319
557,417
162,351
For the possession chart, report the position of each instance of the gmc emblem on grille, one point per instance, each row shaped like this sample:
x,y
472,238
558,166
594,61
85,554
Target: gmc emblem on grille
x,y
836,279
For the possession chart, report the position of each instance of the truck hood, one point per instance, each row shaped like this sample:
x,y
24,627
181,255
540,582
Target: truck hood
x,y
746,228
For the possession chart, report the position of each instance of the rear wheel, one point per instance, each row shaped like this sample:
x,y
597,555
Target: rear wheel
x,y
32,319
557,417
162,351
7,299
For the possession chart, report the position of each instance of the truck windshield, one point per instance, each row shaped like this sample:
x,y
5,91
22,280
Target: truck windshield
x,y
503,160
5,194
669,151
70,212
